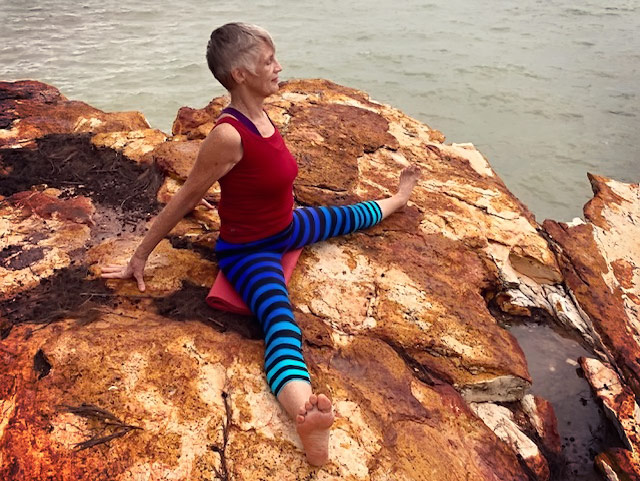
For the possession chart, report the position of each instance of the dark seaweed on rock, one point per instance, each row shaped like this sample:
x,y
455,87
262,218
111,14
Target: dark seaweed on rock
x,y
74,164
189,304
66,294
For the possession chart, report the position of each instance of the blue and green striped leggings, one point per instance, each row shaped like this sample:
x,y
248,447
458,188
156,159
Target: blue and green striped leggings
x,y
255,271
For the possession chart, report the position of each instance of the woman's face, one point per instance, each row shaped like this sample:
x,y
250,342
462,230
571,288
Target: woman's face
x,y
264,78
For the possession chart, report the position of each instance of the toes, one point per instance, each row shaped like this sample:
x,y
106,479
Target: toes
x,y
313,399
308,406
324,403
302,411
299,419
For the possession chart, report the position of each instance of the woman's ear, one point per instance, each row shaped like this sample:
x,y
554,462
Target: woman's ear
x,y
239,75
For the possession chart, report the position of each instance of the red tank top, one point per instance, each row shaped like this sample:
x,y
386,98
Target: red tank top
x,y
256,195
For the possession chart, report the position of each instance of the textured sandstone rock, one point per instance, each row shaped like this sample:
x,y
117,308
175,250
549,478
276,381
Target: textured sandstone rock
x,y
600,260
166,271
39,233
134,144
541,415
618,465
501,422
176,158
30,109
618,400
463,223
620,406
204,408
395,319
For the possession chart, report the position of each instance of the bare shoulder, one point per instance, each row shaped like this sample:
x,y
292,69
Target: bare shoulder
x,y
222,145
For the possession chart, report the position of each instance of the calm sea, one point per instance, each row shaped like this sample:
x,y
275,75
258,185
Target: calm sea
x,y
547,89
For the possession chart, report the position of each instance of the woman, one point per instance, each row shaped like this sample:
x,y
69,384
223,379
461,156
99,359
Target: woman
x,y
247,155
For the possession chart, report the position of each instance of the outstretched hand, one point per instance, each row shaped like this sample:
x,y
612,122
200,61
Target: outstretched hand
x,y
134,268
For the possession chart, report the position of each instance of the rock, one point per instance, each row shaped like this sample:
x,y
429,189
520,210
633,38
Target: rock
x,y
32,109
618,465
600,260
196,123
397,328
203,405
501,422
617,399
176,158
541,415
41,233
166,271
135,144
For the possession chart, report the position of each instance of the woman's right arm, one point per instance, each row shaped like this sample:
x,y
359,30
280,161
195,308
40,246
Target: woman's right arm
x,y
219,152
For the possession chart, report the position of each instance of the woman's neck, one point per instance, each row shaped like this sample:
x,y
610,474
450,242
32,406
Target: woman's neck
x,y
251,106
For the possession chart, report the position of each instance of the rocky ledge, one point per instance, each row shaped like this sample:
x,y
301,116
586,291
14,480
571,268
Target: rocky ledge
x,y
400,323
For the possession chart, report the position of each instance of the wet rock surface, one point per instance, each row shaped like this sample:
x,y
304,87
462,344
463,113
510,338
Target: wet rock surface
x,y
396,321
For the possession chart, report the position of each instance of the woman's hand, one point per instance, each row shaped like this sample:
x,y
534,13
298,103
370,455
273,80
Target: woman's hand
x,y
134,268
207,204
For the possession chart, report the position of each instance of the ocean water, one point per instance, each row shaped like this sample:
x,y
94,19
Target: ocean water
x,y
547,89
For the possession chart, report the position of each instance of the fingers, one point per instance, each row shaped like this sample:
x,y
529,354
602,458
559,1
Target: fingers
x,y
139,278
112,273
207,204
134,268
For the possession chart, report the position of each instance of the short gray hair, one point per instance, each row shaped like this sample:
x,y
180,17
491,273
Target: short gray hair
x,y
234,45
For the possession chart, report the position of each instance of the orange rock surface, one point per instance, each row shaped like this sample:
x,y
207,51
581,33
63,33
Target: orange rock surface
x,y
396,324
31,109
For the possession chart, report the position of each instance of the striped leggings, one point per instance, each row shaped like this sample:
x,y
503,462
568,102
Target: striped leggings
x,y
255,271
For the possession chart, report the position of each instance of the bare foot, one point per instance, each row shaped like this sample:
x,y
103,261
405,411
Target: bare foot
x,y
408,179
313,423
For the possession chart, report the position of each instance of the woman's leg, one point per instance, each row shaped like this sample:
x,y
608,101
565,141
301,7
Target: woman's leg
x,y
259,280
314,224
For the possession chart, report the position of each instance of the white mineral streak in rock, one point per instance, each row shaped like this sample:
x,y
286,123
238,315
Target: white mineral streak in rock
x,y
567,310
371,171
498,389
295,97
7,406
530,408
609,472
458,347
11,133
609,389
132,370
68,430
400,288
353,443
500,420
347,304
87,124
576,221
476,159
354,103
